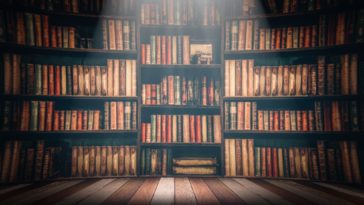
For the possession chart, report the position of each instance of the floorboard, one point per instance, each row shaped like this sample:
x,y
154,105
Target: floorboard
x,y
181,191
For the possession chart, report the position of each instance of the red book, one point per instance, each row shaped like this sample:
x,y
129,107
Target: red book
x,y
84,120
142,55
51,79
49,116
61,120
169,129
198,128
57,90
264,161
276,120
56,120
164,52
169,50
275,162
79,120
164,128
144,136
269,162
53,37
211,90
45,31
192,129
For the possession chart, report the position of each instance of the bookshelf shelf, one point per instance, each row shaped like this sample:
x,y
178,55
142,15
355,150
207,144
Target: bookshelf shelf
x,y
295,15
66,15
180,107
337,49
68,98
295,98
292,135
190,67
182,29
169,145
69,134
12,47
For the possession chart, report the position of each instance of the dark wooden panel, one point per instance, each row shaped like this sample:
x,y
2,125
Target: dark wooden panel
x,y
222,192
124,193
202,192
145,193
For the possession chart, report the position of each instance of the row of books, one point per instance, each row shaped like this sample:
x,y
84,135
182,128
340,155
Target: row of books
x,y
182,129
155,161
194,166
116,7
88,161
257,7
325,116
42,116
180,12
118,34
328,77
330,30
180,90
334,161
28,161
166,50
118,78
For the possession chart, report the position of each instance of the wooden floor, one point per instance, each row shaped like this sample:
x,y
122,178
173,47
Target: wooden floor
x,y
181,191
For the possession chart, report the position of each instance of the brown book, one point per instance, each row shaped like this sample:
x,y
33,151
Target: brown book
x,y
103,161
97,161
127,160
232,159
49,116
111,31
116,77
226,156
322,159
275,161
104,81
110,77
243,81
241,35
91,152
305,162
245,157
238,150
121,160
264,161
86,160
133,162
355,162
280,162
314,164
292,166
80,161
118,34
74,161
247,117
262,81
251,157
239,77
15,161
98,80
298,80
109,160
81,80
186,49
269,162
345,154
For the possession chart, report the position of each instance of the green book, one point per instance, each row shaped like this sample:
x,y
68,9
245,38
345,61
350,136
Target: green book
x,y
209,129
6,118
179,128
38,79
127,118
153,133
153,50
147,160
65,37
34,116
69,80
68,120
126,35
132,35
134,116
179,50
257,162
30,38
142,163
286,162
177,92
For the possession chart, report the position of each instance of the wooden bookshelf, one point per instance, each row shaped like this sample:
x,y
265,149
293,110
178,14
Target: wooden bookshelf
x,y
80,52
148,72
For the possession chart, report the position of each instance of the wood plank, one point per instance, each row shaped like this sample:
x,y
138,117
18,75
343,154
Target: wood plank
x,y
101,195
183,193
12,188
44,193
245,194
222,192
305,193
124,193
202,192
145,193
23,190
164,194
83,194
32,190
343,195
265,193
55,198
353,192
286,195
